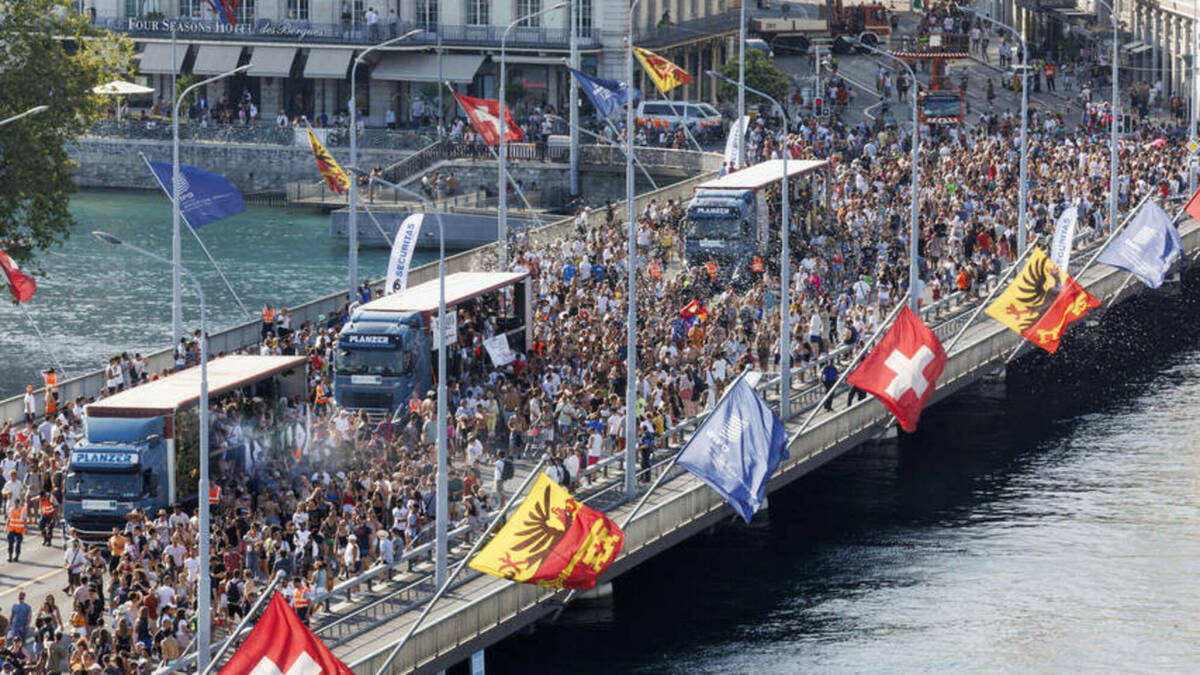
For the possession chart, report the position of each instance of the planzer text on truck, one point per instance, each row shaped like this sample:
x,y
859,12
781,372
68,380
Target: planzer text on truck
x,y
142,446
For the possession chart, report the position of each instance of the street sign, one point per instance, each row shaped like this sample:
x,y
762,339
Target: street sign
x,y
1193,146
451,328
477,663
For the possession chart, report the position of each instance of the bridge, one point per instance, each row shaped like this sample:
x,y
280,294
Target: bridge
x,y
364,616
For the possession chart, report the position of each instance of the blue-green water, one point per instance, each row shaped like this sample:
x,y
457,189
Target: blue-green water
x,y
95,299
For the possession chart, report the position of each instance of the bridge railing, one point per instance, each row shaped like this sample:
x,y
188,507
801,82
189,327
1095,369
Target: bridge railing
x,y
258,133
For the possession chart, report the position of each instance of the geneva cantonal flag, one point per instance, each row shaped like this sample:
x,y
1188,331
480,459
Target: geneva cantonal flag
x,y
1041,302
551,540
903,369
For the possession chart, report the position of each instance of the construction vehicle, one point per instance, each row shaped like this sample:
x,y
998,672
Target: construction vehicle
x,y
843,24
940,102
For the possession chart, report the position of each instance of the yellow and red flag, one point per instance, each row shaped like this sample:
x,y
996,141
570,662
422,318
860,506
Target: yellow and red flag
x,y
552,540
665,75
335,177
1041,302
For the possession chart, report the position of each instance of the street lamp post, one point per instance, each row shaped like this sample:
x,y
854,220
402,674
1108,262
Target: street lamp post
x,y
502,129
914,227
443,502
785,290
631,290
573,98
353,198
32,111
1023,188
741,92
176,241
204,577
1113,159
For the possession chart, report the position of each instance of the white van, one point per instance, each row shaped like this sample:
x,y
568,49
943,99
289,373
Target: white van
x,y
674,112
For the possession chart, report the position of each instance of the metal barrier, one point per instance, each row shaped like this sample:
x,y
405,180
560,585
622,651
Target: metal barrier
x,y
258,133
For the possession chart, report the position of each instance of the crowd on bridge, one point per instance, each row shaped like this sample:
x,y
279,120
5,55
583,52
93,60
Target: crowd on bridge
x,y
327,493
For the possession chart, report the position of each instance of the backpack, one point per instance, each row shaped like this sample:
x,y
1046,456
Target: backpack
x,y
506,471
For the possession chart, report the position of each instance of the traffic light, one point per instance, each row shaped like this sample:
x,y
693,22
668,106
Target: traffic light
x,y
817,106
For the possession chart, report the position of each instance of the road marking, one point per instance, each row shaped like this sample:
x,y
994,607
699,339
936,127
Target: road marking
x,y
29,583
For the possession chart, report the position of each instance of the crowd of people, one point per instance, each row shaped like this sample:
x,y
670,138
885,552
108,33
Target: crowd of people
x,y
322,493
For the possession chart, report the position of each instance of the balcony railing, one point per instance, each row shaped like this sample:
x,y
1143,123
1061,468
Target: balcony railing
x,y
261,133
288,30
686,31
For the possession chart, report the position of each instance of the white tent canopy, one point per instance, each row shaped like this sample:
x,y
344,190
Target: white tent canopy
x,y
122,88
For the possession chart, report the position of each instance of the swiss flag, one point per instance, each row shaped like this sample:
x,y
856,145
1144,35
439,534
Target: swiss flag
x,y
281,645
903,369
1193,206
484,114
22,285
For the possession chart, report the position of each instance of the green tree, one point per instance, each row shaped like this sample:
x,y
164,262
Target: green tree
x,y
761,74
49,55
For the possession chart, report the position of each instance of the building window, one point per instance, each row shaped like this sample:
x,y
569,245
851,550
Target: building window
x,y
134,8
191,8
427,14
527,7
479,12
585,23
298,10
245,13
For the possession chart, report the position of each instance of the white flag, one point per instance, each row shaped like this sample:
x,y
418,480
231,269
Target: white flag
x,y
1064,235
402,253
733,144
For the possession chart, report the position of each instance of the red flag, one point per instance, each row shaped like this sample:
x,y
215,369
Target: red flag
x,y
903,369
280,643
694,308
484,114
1193,206
22,285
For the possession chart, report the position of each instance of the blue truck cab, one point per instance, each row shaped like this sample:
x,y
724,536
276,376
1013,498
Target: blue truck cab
x,y
728,227
118,468
382,358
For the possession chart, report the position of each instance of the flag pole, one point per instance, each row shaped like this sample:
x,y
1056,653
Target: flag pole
x,y
987,300
204,248
462,563
45,345
862,352
267,593
1107,240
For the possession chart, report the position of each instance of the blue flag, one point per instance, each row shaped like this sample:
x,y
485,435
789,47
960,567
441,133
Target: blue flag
x,y
606,95
1147,247
203,196
737,449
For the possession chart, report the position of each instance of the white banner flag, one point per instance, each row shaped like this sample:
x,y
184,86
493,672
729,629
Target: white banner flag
x,y
1064,235
498,349
733,144
402,253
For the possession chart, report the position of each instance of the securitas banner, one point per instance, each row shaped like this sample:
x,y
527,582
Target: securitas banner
x,y
402,252
204,197
737,449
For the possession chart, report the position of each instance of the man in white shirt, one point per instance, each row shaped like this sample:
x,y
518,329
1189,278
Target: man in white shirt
x,y
29,404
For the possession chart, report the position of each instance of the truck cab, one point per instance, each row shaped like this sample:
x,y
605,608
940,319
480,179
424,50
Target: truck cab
x,y
727,227
122,466
382,358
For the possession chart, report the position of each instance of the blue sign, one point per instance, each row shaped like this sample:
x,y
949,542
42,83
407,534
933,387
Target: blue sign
x,y
204,196
477,663
606,95
737,449
1147,247
103,458
369,341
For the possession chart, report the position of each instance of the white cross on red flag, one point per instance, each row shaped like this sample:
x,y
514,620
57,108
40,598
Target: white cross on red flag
x,y
281,645
484,114
903,369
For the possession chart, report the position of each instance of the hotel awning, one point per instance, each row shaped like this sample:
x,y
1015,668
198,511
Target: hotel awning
x,y
216,59
271,61
156,58
424,67
328,64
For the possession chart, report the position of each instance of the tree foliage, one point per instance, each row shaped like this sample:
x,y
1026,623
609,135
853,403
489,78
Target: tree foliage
x,y
761,74
49,55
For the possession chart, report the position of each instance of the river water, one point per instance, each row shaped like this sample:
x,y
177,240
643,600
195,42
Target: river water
x,y
1054,529
94,299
